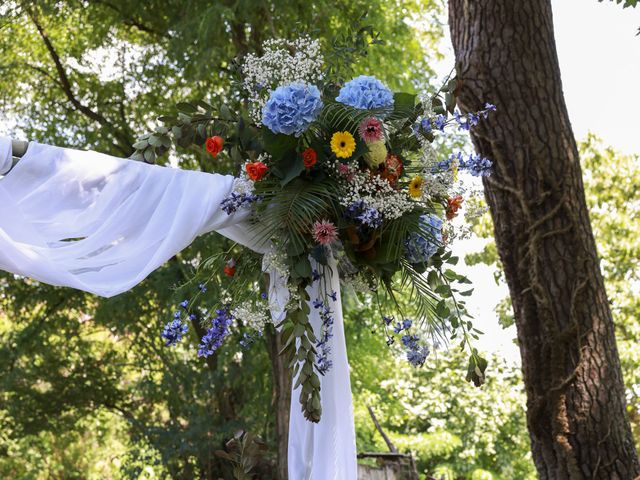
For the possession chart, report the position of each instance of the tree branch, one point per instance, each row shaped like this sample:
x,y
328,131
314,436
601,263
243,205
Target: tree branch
x,y
132,22
387,440
124,141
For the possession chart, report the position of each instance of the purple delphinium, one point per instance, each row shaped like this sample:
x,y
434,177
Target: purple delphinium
x,y
366,216
416,353
235,200
323,362
174,331
476,165
217,333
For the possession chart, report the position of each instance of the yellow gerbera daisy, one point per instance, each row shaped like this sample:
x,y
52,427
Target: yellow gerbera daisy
x,y
415,186
454,170
343,144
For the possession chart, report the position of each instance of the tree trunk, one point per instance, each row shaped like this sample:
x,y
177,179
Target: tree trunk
x,y
576,413
281,398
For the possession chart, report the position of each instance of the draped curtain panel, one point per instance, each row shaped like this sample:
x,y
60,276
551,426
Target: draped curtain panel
x,y
102,224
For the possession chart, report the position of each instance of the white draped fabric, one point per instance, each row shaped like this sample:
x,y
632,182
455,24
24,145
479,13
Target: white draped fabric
x,y
102,224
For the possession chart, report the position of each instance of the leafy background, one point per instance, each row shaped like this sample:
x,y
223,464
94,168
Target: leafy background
x,y
87,389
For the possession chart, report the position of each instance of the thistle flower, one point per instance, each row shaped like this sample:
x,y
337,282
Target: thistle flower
x,y
324,232
370,130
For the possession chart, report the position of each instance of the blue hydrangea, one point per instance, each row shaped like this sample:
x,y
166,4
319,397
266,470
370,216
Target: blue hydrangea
x,y
419,249
174,331
291,108
371,218
366,93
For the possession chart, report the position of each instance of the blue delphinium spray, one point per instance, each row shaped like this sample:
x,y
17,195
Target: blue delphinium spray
x,y
212,340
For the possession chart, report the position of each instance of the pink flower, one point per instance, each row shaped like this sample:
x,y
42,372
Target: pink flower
x,y
370,130
343,169
324,232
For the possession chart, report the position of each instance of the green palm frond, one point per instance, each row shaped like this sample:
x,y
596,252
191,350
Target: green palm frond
x,y
425,298
294,208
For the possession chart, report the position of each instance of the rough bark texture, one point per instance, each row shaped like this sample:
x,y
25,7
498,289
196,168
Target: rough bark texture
x,y
506,55
281,399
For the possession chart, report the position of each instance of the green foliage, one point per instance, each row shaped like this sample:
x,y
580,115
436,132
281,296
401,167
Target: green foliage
x,y
625,3
432,411
87,388
243,451
299,338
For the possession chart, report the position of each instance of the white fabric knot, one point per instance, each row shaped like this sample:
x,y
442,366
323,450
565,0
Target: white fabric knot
x,y
6,159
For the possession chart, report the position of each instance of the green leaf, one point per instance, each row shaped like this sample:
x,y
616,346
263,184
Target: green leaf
x,y
303,268
403,101
319,254
292,170
476,369
278,145
186,107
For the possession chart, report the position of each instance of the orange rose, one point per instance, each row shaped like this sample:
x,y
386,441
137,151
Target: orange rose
x,y
453,205
214,145
392,169
309,157
393,164
256,170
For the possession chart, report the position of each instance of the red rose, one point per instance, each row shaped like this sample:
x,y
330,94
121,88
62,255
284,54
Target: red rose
x,y
256,170
214,145
230,268
453,205
309,157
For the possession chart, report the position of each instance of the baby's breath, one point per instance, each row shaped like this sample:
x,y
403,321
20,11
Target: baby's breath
x,y
283,62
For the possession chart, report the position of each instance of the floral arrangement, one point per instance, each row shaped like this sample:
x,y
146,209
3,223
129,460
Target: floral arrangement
x,y
332,170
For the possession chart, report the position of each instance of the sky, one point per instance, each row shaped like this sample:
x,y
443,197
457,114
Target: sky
x,y
599,56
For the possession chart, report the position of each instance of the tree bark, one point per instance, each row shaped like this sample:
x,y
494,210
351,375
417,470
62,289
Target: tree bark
x,y
281,399
576,412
